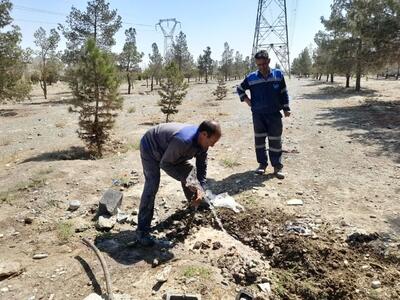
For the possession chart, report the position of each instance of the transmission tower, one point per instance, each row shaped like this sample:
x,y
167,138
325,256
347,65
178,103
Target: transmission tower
x,y
271,33
168,32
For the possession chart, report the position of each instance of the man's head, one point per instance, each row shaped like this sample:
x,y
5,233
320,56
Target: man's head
x,y
209,134
262,61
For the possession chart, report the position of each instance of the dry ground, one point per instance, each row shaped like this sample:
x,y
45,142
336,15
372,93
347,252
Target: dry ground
x,y
342,158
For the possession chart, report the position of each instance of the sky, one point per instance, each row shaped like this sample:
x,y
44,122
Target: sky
x,y
205,22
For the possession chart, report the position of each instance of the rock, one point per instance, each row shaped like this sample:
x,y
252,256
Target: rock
x,y
132,220
265,287
294,202
216,245
105,223
122,217
40,256
376,284
4,290
28,220
81,225
155,263
164,274
197,245
93,296
74,205
110,201
11,268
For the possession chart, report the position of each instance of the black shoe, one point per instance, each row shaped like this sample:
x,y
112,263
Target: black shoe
x,y
260,170
145,239
279,173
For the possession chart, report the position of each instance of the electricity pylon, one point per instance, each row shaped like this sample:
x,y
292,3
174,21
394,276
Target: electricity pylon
x,y
271,33
168,32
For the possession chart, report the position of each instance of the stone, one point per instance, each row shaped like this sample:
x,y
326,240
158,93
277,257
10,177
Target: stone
x,y
74,205
376,284
155,263
10,268
216,245
265,287
197,245
105,223
164,274
93,296
122,217
4,290
110,202
40,256
81,225
294,202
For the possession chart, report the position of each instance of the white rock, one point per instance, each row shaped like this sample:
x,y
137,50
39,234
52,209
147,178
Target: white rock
x,y
93,296
164,274
265,287
10,268
40,255
105,223
74,205
294,202
376,284
4,290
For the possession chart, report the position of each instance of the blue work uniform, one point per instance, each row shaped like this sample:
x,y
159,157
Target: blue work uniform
x,y
268,97
169,147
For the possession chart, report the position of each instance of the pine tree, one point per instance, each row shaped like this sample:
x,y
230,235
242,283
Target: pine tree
x,y
12,58
130,57
173,90
221,89
155,65
96,96
205,63
47,46
227,61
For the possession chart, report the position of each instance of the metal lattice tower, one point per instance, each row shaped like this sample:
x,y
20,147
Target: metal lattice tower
x,y
168,32
271,34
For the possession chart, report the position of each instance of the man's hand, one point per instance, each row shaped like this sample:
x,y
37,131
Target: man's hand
x,y
286,113
197,198
247,100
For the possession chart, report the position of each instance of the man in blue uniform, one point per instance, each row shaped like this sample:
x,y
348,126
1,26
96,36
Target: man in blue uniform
x,y
268,96
169,147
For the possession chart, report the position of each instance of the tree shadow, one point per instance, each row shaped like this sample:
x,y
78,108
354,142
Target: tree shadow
x,y
89,273
124,249
61,101
321,82
8,112
337,92
394,223
372,123
150,123
73,153
239,182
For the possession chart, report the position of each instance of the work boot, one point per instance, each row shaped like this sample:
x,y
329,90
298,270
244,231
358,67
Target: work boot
x,y
261,169
279,173
145,239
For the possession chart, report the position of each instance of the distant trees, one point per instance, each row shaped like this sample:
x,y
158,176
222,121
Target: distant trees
x,y
155,65
130,57
173,90
47,46
227,61
180,55
96,97
302,64
205,64
360,37
12,58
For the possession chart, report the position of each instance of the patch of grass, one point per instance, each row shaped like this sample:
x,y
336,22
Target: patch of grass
x,y
196,271
65,231
229,162
131,109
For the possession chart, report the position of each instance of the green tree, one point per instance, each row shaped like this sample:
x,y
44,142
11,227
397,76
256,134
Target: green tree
x,y
47,46
98,22
227,61
238,65
173,90
181,56
205,63
130,57
12,58
221,90
96,96
155,65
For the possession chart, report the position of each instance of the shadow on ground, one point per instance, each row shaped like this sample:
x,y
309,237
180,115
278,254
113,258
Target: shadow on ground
x,y
394,223
8,112
122,247
331,92
371,123
72,153
239,182
91,276
61,101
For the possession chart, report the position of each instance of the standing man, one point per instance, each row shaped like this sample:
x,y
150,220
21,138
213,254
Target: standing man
x,y
169,147
269,96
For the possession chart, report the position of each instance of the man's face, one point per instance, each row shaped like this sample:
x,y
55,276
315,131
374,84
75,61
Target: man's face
x,y
205,141
262,65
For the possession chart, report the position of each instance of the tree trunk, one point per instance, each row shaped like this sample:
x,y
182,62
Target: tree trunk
x,y
358,67
147,82
206,77
320,76
151,84
347,80
327,77
331,77
129,83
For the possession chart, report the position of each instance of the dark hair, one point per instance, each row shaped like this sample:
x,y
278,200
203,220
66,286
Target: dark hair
x,y
262,54
211,127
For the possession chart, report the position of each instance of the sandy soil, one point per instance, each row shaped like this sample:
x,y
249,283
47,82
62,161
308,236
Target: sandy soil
x,y
342,158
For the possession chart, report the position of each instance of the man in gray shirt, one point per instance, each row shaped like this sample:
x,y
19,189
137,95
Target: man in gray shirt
x,y
169,147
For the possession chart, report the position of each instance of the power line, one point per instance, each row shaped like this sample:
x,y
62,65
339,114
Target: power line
x,y
43,11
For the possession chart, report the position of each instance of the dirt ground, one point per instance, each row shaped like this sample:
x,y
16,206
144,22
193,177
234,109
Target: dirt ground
x,y
341,157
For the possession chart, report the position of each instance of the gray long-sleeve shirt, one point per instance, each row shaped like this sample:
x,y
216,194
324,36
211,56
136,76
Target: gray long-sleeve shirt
x,y
172,145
